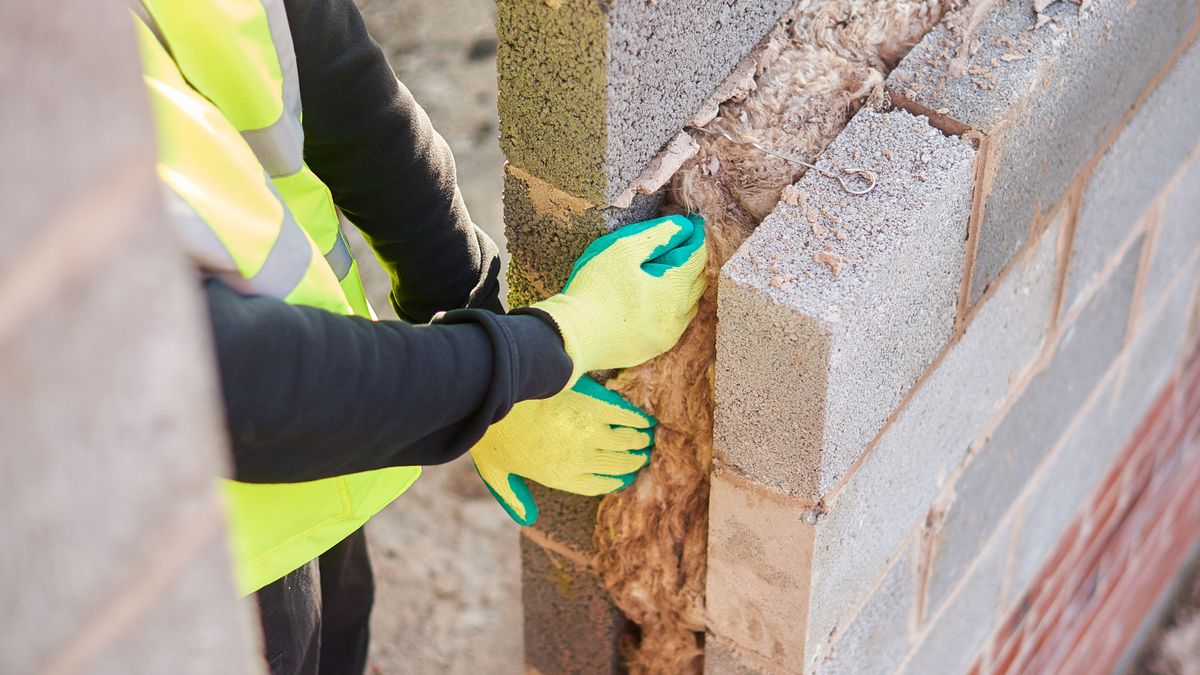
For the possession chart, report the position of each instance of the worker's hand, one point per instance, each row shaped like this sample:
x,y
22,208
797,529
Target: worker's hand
x,y
631,294
587,440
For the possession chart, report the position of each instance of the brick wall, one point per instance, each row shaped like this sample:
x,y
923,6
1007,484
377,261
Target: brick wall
x,y
113,557
919,390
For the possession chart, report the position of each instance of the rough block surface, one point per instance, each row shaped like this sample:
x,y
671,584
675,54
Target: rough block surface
x,y
591,90
758,572
1178,234
832,309
1046,98
1088,453
877,640
570,624
1006,462
890,493
720,660
956,635
1146,154
547,229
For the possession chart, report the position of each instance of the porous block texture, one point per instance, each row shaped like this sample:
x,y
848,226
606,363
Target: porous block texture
x,y
758,572
1146,154
1104,428
547,229
570,624
1178,234
566,518
1002,467
892,489
591,90
837,303
954,635
1047,98
720,659
877,639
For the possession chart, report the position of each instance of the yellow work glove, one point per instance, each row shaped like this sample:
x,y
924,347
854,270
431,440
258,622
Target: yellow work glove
x,y
587,440
631,294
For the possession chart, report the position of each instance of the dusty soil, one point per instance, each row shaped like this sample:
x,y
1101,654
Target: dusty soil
x,y
446,560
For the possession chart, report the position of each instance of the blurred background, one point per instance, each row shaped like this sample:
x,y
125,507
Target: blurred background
x,y
446,560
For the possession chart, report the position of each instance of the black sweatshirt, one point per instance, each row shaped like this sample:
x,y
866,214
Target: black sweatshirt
x,y
311,394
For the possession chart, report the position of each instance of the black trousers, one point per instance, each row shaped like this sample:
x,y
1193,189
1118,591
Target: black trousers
x,y
316,620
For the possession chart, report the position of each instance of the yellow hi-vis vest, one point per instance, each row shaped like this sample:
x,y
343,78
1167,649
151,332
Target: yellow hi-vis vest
x,y
226,103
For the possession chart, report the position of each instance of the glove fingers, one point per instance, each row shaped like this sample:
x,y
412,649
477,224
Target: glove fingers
x,y
618,463
511,491
686,250
624,439
639,238
592,485
616,409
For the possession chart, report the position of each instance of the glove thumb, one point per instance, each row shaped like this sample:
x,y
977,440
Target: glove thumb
x,y
511,491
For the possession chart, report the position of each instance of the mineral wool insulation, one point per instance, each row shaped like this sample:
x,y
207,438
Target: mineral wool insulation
x,y
819,65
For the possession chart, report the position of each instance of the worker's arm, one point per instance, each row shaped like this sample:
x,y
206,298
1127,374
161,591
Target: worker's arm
x,y
389,171
295,380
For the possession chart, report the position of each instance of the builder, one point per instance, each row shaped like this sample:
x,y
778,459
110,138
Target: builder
x,y
276,122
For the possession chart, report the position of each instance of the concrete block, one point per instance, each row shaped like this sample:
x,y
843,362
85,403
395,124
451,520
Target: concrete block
x,y
721,660
209,629
758,573
118,431
892,489
878,638
54,133
1133,171
1005,463
1047,99
566,518
830,311
1178,234
591,90
547,230
570,624
957,634
1087,454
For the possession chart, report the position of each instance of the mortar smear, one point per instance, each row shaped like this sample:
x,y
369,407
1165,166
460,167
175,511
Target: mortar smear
x,y
820,64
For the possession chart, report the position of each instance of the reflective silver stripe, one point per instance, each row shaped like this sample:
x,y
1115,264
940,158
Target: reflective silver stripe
x,y
199,241
280,146
339,257
286,263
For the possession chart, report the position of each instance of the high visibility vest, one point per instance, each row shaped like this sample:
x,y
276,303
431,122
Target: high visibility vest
x,y
226,104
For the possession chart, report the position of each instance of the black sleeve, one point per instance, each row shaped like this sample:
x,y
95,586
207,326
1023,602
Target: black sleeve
x,y
310,394
389,171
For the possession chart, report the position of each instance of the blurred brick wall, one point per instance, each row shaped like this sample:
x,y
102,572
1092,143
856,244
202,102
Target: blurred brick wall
x,y
112,546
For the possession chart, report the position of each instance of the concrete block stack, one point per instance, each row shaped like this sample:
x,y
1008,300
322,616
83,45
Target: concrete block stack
x,y
897,461
114,557
922,391
594,98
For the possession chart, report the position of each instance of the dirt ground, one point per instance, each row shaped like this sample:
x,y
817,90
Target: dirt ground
x,y
446,559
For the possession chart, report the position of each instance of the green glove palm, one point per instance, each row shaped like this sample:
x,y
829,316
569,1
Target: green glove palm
x,y
587,440
631,294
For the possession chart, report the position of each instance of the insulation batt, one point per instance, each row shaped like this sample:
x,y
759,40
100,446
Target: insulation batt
x,y
819,65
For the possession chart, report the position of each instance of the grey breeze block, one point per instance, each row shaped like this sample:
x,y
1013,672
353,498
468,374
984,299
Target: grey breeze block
x,y
1143,158
890,493
1047,99
1006,463
591,90
811,362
